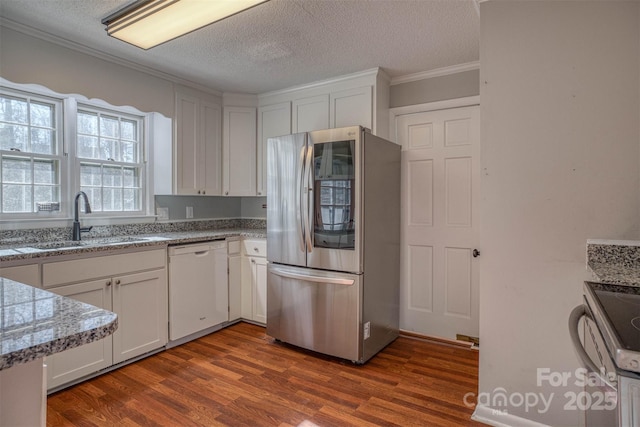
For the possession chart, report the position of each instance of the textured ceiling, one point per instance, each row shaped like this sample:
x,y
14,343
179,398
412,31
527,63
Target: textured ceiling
x,y
280,43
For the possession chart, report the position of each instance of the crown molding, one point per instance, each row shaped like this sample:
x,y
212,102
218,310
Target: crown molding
x,y
445,71
78,47
365,73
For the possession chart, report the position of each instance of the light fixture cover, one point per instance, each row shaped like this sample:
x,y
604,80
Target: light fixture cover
x,y
148,23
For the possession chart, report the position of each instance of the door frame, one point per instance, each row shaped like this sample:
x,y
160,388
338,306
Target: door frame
x,y
394,113
468,101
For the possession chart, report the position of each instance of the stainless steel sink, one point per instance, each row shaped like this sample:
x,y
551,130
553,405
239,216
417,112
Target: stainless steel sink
x,y
70,244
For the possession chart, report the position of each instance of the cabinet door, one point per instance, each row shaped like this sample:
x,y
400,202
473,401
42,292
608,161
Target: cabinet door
x,y
77,362
259,289
311,114
352,107
246,288
273,120
239,147
210,160
235,286
140,301
28,274
187,147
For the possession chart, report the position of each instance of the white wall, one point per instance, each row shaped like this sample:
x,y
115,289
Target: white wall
x,y
560,160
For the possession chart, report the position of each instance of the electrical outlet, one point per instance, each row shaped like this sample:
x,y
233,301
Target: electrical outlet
x,y
189,212
163,214
367,330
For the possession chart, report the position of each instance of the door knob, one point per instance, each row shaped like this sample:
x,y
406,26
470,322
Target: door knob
x,y
476,253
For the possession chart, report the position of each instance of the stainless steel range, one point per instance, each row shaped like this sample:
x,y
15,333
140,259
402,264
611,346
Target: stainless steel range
x,y
610,351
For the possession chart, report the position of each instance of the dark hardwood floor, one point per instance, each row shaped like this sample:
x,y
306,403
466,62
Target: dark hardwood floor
x,y
241,377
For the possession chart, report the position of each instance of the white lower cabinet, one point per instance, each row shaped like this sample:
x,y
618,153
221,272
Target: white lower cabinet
x,y
254,280
234,267
138,298
89,358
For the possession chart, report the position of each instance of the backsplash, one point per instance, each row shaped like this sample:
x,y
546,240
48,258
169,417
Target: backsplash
x,y
8,237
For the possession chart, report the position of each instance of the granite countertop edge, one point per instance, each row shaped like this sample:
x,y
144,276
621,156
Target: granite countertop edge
x,y
69,324
9,253
615,274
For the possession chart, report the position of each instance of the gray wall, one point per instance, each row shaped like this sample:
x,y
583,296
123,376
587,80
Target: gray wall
x,y
458,85
560,164
205,207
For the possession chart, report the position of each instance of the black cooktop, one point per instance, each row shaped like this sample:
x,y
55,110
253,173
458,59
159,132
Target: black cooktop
x,y
621,306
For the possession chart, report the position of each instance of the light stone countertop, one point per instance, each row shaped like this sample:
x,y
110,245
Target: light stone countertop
x,y
26,251
614,261
37,323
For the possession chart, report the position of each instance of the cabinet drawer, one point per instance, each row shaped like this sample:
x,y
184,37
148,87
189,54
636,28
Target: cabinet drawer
x,y
255,247
77,270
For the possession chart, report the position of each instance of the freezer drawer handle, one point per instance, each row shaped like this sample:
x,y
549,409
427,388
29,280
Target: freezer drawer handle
x,y
307,278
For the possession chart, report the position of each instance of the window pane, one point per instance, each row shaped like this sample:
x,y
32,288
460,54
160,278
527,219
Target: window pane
x,y
14,136
129,152
95,197
88,123
45,193
88,147
128,130
42,114
90,175
112,199
45,172
109,127
131,199
16,170
109,150
13,110
112,176
42,141
16,198
131,178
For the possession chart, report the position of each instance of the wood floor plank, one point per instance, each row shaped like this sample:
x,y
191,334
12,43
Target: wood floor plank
x,y
241,377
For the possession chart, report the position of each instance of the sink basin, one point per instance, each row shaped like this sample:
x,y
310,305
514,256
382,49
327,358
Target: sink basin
x,y
70,244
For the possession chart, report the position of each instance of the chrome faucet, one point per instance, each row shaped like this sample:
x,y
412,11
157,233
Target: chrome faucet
x,y
77,230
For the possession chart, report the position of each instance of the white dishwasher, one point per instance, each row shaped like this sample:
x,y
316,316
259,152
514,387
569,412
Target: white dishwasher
x,y
198,287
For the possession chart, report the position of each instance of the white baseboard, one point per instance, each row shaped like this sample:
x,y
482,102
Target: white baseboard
x,y
497,418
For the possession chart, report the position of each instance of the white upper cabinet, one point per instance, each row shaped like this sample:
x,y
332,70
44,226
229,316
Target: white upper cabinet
x,y
239,150
273,120
311,113
351,107
198,145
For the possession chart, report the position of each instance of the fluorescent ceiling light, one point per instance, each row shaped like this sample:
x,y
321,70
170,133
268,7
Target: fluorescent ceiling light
x,y
148,23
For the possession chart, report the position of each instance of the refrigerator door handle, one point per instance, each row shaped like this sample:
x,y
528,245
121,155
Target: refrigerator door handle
x,y
310,278
302,190
308,190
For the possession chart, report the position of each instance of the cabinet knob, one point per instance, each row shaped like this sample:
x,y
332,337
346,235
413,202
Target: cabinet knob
x,y
108,283
226,193
256,250
259,193
253,261
117,281
198,191
204,192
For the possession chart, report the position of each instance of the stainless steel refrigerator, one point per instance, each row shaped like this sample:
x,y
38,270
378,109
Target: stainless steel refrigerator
x,y
333,241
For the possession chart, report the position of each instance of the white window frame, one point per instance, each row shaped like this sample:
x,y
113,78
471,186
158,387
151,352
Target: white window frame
x,y
49,97
69,164
142,164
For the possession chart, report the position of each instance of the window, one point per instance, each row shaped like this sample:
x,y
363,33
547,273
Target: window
x,y
108,150
52,146
30,165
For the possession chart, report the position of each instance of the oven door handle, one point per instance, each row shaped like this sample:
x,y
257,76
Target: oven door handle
x,y
574,320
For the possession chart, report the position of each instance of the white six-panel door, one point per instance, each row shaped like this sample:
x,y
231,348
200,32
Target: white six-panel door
x,y
440,197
